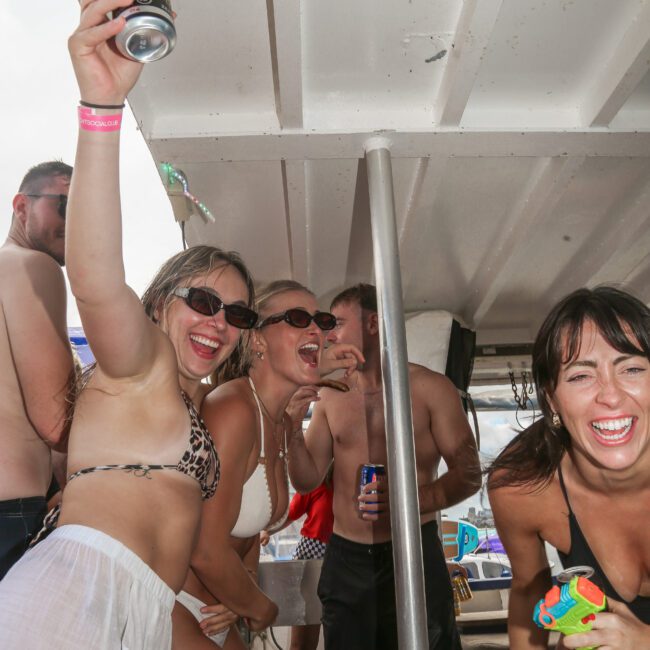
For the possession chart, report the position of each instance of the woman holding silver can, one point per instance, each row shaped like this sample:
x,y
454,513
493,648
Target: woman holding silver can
x,y
140,458
149,32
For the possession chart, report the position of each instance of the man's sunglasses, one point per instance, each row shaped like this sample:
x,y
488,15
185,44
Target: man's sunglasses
x,y
207,303
63,201
301,318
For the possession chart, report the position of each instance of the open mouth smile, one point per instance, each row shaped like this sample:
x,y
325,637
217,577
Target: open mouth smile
x,y
204,345
612,431
309,353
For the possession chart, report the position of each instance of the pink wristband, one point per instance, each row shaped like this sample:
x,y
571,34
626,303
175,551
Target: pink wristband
x,y
90,121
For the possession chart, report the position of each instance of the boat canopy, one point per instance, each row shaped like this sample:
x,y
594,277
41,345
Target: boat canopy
x,y
519,132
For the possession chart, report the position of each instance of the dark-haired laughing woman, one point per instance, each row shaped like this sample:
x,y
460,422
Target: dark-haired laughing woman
x,y
580,477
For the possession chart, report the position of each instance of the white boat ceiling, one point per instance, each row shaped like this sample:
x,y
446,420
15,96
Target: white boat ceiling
x,y
519,132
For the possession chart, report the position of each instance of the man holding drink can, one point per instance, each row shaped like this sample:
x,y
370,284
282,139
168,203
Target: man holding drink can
x,y
357,579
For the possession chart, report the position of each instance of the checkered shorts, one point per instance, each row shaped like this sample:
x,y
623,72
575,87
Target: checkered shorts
x,y
309,549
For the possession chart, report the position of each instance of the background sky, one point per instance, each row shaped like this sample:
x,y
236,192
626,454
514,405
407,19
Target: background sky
x,y
38,113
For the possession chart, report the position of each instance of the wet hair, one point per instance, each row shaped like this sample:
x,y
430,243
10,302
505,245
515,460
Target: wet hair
x,y
364,295
178,271
534,455
266,293
39,175
263,297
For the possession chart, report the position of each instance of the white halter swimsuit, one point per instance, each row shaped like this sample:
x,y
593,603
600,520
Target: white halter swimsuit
x,y
256,508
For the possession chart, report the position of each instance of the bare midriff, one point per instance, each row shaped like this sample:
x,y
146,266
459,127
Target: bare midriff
x,y
160,524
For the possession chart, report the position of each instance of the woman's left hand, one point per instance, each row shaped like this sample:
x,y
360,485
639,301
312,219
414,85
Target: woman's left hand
x,y
299,405
616,629
219,618
340,356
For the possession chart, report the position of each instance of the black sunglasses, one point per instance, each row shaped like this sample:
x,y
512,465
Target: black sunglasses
x,y
63,201
207,303
301,318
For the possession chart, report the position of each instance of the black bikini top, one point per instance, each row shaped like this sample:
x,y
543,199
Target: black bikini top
x,y
200,460
580,553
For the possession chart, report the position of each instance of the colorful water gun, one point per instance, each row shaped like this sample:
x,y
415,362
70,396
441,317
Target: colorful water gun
x,y
571,607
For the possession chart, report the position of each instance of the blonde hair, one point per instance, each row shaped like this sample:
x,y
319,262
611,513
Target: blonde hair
x,y
275,288
177,271
263,297
186,265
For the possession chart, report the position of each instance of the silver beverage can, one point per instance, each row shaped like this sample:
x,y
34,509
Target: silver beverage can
x,y
149,33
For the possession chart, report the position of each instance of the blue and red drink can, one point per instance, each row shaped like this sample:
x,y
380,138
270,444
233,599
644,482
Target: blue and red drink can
x,y
371,473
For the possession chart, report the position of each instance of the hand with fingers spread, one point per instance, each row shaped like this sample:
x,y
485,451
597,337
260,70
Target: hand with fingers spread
x,y
616,629
104,76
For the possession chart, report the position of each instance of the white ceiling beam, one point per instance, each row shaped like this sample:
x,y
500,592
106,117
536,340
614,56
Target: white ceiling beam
x,y
286,58
618,242
475,25
628,262
404,144
638,282
360,255
293,178
420,219
623,72
522,225
331,197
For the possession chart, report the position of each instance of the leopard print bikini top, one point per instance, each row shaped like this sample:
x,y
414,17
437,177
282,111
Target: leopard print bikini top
x,y
200,460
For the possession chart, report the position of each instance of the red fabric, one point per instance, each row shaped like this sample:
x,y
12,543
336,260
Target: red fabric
x,y
317,504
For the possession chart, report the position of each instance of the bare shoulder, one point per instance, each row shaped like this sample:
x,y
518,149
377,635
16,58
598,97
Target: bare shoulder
x,y
32,291
526,503
332,397
421,374
24,263
229,411
429,384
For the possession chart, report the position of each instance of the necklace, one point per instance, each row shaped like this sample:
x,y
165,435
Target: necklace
x,y
282,452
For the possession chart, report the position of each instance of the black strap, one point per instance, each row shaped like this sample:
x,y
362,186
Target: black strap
x,y
470,403
563,488
104,106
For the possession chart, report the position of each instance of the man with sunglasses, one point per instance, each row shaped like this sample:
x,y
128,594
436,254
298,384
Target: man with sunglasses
x,y
356,586
35,357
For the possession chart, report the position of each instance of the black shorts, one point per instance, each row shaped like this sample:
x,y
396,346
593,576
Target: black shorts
x,y
20,520
357,590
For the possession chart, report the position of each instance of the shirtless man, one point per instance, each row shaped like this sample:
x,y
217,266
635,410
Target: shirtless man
x,y
35,356
357,581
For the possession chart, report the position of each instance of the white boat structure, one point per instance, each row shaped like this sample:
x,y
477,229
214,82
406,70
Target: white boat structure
x,y
477,158
489,577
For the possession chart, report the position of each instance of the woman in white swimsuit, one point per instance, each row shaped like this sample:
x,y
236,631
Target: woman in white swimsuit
x,y
247,420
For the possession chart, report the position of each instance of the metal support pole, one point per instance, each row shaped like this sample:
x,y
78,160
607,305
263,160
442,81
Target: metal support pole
x,y
404,504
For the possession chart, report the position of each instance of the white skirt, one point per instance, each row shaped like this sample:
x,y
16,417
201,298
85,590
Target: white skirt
x,y
80,588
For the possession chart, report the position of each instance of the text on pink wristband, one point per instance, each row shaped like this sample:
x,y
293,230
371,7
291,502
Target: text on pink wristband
x,y
90,121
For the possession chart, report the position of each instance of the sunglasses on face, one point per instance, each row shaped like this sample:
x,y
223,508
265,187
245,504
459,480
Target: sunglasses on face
x,y
302,319
63,201
207,303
